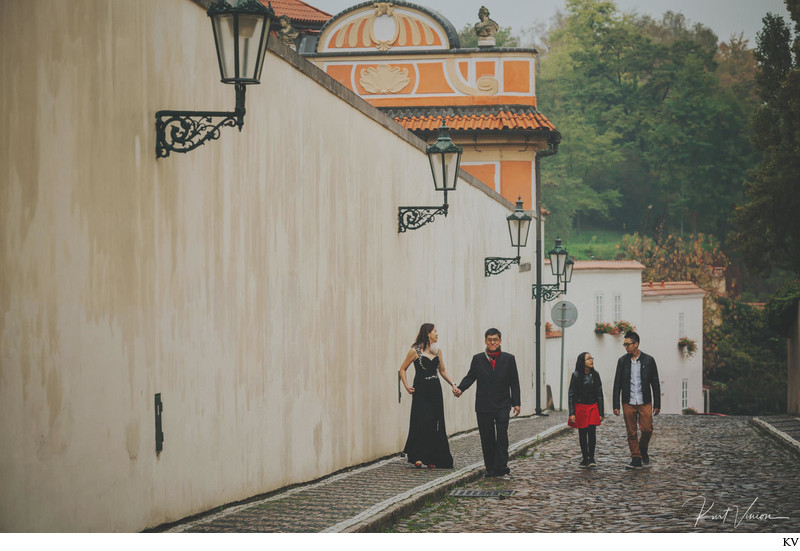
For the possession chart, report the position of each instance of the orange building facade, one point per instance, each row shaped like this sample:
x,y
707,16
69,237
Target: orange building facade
x,y
406,60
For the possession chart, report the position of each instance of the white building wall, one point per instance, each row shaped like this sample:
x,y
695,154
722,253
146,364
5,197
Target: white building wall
x,y
660,333
588,283
258,283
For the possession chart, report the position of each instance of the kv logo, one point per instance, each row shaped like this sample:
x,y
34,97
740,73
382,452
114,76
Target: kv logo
x,y
790,542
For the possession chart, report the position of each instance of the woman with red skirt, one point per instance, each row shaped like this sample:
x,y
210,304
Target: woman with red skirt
x,y
586,405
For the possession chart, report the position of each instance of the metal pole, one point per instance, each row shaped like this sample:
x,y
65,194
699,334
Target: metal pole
x,y
563,337
553,141
538,319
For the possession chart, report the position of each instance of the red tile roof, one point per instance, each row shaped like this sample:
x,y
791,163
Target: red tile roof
x,y
668,288
502,120
298,11
607,265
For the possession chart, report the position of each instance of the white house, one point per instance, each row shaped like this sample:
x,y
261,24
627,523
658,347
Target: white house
x,y
672,310
611,292
602,291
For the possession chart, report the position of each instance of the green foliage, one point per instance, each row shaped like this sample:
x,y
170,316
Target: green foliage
x,y
594,245
673,258
504,38
781,308
746,365
654,118
768,225
616,328
688,346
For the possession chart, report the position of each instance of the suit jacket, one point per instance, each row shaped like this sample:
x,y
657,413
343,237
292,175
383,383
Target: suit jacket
x,y
622,381
497,389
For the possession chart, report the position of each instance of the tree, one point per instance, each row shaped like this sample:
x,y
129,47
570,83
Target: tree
x,y
674,258
768,225
662,135
744,360
746,365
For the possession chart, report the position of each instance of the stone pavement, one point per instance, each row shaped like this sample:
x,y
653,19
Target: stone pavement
x,y
785,429
707,474
371,497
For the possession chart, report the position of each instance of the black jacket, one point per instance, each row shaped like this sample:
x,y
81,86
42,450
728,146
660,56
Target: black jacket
x,y
585,389
622,381
498,389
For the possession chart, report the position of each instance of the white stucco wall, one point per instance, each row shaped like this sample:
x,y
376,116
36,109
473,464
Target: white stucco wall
x,y
587,283
660,334
258,283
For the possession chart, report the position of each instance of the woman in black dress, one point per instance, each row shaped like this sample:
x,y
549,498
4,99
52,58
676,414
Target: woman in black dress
x,y
427,437
585,406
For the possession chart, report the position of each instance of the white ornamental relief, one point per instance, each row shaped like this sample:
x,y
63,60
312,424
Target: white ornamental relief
x,y
384,79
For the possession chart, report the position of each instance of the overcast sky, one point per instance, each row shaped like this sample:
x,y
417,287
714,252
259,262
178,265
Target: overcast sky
x,y
724,17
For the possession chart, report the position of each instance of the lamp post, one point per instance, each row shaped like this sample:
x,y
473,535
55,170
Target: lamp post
x,y
519,224
445,158
561,266
241,33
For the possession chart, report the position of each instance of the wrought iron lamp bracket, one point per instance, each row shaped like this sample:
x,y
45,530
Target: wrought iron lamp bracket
x,y
548,292
412,218
183,131
494,265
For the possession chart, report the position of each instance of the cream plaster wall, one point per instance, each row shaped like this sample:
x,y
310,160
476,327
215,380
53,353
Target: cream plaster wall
x,y
258,283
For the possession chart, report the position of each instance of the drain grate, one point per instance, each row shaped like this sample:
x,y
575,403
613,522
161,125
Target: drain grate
x,y
482,493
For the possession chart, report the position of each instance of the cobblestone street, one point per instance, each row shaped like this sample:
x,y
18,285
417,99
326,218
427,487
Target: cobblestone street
x,y
701,468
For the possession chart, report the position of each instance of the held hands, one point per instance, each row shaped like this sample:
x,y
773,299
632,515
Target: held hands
x,y
456,390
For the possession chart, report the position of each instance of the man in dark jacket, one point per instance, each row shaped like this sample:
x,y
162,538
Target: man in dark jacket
x,y
637,381
497,394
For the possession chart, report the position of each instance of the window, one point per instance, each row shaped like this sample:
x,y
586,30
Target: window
x,y
684,393
681,326
617,306
598,308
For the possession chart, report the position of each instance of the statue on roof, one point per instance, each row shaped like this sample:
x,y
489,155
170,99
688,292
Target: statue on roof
x,y
287,34
485,28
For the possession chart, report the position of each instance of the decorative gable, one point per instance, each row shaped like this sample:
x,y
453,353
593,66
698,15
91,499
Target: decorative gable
x,y
387,26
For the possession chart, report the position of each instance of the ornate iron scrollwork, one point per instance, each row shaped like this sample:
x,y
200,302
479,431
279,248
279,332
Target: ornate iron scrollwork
x,y
494,265
412,218
548,292
183,131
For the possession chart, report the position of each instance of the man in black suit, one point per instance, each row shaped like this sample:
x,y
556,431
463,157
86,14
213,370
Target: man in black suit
x,y
636,376
497,394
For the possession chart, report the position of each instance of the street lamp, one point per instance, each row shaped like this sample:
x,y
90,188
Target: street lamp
x,y
445,158
519,224
561,266
241,33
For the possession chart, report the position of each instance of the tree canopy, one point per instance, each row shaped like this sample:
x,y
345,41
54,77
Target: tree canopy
x,y
654,116
768,225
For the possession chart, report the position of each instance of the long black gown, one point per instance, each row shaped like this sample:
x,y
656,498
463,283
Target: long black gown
x,y
427,435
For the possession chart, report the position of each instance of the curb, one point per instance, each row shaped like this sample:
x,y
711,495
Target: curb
x,y
780,437
393,512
